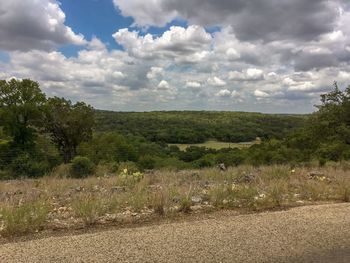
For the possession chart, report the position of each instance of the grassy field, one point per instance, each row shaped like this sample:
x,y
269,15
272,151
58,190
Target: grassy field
x,y
54,202
212,144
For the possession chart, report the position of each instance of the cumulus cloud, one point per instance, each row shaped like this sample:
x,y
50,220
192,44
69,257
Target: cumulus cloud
x,y
280,65
155,72
163,85
261,94
177,42
38,24
249,74
193,84
252,19
224,93
217,82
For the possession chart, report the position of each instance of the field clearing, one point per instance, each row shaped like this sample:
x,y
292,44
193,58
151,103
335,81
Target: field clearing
x,y
212,144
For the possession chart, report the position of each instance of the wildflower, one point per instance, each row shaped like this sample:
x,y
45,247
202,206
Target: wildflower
x,y
125,171
262,196
322,178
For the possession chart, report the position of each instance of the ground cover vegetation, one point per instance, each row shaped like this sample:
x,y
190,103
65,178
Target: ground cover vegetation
x,y
58,202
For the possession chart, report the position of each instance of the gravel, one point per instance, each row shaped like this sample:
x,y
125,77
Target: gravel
x,y
305,234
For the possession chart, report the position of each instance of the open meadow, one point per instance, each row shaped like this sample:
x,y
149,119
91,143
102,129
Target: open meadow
x,y
216,145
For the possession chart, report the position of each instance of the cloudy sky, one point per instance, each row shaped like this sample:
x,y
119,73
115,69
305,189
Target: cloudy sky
x,y
137,55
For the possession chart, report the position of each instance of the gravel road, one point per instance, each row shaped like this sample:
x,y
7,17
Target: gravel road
x,y
305,234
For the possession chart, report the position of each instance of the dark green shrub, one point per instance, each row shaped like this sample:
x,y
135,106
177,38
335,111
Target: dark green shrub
x,y
82,167
146,162
24,166
206,161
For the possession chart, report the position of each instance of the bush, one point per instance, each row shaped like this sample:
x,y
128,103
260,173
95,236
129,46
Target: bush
x,y
89,209
146,162
25,218
24,166
82,167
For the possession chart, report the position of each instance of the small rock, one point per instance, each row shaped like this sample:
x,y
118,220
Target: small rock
x,y
195,175
222,167
118,189
225,202
62,209
79,189
155,187
196,208
248,178
315,174
176,199
110,217
196,199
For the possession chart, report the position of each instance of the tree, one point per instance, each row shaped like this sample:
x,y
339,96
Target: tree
x,y
68,124
332,121
109,147
21,104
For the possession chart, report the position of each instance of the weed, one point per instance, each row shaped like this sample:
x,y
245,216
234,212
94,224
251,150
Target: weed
x,y
25,218
89,209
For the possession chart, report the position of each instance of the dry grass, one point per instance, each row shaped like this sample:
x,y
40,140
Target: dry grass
x,y
55,201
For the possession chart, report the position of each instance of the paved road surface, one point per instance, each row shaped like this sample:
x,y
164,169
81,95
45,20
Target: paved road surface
x,y
305,234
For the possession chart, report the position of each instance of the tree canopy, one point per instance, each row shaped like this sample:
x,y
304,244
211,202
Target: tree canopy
x,y
69,124
21,104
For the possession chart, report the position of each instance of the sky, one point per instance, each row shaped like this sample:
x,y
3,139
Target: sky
x,y
136,55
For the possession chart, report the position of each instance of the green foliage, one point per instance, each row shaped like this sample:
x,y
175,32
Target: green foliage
x,y
25,218
146,162
233,157
37,134
21,104
69,124
108,147
82,167
24,166
199,126
207,160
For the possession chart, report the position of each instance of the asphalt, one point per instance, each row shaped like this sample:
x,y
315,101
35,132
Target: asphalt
x,y
304,234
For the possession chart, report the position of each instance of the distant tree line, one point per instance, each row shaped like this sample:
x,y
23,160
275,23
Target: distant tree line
x,y
39,133
199,126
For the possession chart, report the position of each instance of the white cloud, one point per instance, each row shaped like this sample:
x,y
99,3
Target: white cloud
x,y
249,74
193,84
261,94
306,86
163,85
177,42
217,82
187,67
232,54
27,25
155,72
224,93
142,10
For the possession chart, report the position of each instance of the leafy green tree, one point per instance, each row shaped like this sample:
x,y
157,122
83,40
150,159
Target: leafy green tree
x,y
108,147
69,124
82,167
21,104
332,121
